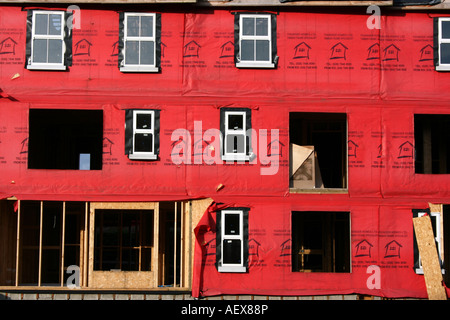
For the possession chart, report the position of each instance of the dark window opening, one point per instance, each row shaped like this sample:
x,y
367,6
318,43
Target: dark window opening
x,y
432,136
123,240
446,238
318,148
321,242
65,139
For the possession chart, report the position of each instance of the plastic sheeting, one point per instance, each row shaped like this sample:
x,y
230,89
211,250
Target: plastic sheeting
x,y
328,62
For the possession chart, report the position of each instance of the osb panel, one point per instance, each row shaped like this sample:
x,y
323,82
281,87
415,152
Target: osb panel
x,y
123,205
430,261
122,280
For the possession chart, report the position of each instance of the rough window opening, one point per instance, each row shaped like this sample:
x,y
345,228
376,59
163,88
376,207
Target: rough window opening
x,y
432,136
65,139
320,241
318,150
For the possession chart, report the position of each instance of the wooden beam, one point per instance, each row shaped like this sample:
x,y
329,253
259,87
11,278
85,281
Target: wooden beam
x,y
18,243
430,260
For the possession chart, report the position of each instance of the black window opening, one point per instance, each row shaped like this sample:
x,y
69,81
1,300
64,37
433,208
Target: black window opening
x,y
123,240
432,136
65,139
321,242
318,150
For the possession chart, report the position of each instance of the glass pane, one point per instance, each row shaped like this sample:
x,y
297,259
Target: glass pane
x,y
445,53
130,260
445,29
147,228
143,121
133,26
232,224
110,259
262,50
40,50
147,26
235,143
55,51
41,24
143,142
248,26
132,52
147,52
247,50
146,259
55,24
235,122
231,251
262,25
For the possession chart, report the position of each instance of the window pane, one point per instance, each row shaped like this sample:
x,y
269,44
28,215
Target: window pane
x,y
247,50
110,259
262,25
41,24
147,52
144,121
130,260
132,52
231,251
262,50
133,26
248,26
54,51
232,224
235,122
40,50
143,142
445,53
235,143
55,24
445,29
147,26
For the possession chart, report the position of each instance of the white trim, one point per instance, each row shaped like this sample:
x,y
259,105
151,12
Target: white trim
x,y
235,156
439,66
139,155
139,67
254,63
42,65
232,267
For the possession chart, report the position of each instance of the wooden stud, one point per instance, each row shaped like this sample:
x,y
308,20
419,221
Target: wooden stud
x,y
18,241
63,236
40,242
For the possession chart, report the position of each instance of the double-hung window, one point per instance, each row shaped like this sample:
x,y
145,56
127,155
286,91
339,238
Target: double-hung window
x,y
139,42
442,44
255,41
46,45
236,132
142,134
232,240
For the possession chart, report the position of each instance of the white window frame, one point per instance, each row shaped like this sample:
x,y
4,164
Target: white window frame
x,y
139,155
439,66
255,64
47,66
232,156
140,67
437,238
232,267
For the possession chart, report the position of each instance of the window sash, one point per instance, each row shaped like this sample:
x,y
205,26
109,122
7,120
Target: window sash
x,y
141,154
235,132
232,267
255,38
442,66
128,38
47,65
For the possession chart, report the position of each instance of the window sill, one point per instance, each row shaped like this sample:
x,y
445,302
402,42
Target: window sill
x,y
139,69
142,156
46,67
240,269
320,190
265,65
235,157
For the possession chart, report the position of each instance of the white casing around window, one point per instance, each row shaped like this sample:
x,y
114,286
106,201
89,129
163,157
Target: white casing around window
x,y
439,66
143,155
232,267
232,156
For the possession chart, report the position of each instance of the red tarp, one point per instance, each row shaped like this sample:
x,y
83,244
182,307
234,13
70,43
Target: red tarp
x,y
379,90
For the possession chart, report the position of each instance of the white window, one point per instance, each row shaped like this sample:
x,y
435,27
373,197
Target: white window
x,y
436,224
139,37
232,241
143,138
443,44
255,41
47,41
235,136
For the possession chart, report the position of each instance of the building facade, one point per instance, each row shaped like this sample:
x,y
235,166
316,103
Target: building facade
x,y
222,147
